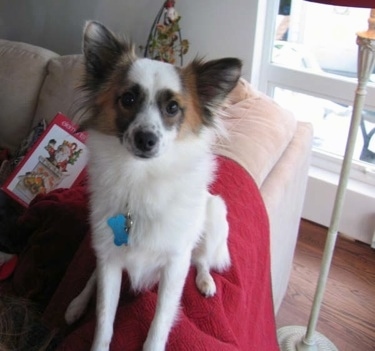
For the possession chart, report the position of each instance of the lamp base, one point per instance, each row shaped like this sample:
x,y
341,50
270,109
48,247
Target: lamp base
x,y
291,338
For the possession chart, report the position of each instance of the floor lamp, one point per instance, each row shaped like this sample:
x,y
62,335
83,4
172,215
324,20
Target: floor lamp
x,y
295,338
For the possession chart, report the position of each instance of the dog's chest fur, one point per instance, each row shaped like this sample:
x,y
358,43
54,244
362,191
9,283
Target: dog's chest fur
x,y
166,198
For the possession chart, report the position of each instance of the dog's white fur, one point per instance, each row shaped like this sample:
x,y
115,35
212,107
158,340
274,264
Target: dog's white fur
x,y
175,219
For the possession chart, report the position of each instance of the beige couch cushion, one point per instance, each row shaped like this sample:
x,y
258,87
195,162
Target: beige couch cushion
x,y
59,92
22,72
259,131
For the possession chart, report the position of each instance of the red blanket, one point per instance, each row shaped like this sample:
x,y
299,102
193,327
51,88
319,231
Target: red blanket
x,y
239,317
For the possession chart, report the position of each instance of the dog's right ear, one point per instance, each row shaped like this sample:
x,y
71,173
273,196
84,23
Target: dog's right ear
x,y
103,50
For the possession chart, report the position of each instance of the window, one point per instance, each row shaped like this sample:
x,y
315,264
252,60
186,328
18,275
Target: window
x,y
311,70
308,64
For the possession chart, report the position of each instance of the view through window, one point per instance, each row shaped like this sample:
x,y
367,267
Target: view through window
x,y
320,39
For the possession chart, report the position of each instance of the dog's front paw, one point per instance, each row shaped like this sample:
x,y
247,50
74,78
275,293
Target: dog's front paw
x,y
74,311
206,284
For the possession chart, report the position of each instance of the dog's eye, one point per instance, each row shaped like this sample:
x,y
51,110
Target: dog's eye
x,y
172,108
128,99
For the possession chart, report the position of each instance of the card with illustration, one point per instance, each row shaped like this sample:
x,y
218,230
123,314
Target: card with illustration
x,y
57,160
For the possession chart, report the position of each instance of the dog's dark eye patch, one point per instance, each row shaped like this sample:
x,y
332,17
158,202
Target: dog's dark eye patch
x,y
131,97
128,99
171,108
129,103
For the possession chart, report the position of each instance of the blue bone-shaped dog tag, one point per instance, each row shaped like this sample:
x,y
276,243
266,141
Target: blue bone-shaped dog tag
x,y
119,227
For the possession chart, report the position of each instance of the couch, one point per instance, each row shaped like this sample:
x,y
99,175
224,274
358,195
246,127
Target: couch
x,y
263,138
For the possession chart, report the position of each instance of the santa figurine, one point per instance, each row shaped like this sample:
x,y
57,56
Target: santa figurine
x,y
171,14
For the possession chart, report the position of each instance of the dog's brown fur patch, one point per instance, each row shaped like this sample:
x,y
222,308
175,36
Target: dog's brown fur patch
x,y
105,108
193,111
106,119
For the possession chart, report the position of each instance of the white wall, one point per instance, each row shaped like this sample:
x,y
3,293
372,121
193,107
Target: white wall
x,y
214,28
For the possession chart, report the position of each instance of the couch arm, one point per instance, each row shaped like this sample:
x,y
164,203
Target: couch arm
x,y
283,193
275,149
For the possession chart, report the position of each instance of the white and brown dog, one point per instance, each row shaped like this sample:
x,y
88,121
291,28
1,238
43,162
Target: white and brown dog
x,y
151,127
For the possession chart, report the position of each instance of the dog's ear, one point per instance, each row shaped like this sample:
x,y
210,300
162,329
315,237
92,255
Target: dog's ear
x,y
102,50
214,81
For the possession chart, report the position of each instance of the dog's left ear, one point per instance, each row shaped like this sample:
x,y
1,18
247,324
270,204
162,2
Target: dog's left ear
x,y
102,50
214,81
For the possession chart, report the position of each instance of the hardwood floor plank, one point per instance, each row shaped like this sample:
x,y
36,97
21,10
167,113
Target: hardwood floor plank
x,y
347,316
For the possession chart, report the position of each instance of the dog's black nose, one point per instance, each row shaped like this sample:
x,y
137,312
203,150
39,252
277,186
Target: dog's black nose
x,y
145,141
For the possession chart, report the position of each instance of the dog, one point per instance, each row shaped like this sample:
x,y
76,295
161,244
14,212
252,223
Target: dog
x,y
151,127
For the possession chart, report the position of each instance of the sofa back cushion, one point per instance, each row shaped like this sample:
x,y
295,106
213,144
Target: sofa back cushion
x,y
60,91
22,72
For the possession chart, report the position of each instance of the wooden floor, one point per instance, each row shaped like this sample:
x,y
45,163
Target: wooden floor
x,y
347,316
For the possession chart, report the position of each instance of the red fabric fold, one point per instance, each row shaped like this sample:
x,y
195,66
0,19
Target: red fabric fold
x,y
56,224
239,317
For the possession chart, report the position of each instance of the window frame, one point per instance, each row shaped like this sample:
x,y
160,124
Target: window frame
x,y
323,85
